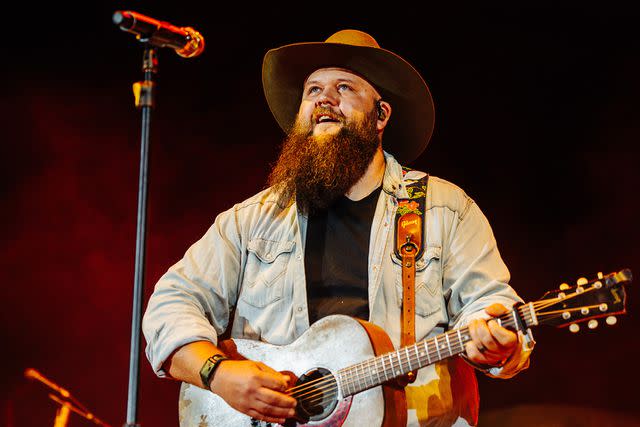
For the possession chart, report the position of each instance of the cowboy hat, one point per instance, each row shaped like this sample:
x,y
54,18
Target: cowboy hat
x,y
285,69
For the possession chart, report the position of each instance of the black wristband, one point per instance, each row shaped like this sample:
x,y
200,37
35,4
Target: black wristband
x,y
209,368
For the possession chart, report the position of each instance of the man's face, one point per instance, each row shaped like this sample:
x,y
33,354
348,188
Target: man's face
x,y
334,139
332,98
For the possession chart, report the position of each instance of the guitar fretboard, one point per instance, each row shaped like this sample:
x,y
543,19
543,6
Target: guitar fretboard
x,y
375,371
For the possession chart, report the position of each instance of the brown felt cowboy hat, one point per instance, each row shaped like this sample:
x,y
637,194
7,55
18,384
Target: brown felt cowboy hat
x,y
285,69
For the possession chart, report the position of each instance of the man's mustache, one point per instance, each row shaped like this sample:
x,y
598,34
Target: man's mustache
x,y
326,111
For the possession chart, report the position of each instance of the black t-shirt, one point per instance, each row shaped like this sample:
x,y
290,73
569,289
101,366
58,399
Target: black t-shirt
x,y
336,258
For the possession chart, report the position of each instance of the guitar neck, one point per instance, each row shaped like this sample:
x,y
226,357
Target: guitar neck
x,y
375,371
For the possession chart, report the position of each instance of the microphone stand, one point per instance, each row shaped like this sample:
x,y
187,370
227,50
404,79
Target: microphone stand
x,y
67,402
143,92
63,412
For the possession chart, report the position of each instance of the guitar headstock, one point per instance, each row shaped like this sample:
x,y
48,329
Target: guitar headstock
x,y
588,300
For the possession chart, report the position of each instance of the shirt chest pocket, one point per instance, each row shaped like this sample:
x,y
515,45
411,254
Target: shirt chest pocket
x,y
264,273
428,283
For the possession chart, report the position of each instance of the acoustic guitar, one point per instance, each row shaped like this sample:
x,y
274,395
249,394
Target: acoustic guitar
x,y
346,367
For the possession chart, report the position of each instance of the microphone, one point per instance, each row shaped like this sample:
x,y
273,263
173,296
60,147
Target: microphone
x,y
186,41
33,374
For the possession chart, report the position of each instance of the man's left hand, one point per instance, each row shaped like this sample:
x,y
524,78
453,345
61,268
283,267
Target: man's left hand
x,y
490,343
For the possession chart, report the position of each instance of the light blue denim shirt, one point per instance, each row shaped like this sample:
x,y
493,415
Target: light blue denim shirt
x,y
252,258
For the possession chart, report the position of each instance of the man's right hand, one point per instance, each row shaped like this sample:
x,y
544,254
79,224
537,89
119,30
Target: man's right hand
x,y
254,389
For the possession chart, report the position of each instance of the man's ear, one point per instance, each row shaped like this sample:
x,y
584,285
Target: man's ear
x,y
383,110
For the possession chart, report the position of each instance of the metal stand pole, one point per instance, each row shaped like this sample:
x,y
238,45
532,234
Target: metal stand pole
x,y
143,92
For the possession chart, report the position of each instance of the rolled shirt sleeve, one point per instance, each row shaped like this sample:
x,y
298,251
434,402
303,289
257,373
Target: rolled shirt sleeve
x,y
475,276
191,300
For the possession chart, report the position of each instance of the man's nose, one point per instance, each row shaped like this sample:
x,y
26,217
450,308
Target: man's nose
x,y
329,96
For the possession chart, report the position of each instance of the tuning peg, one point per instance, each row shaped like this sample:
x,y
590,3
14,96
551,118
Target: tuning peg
x,y
593,323
600,276
603,307
582,281
566,315
611,320
574,327
564,287
584,310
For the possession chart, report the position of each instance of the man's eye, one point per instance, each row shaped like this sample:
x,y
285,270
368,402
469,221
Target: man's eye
x,y
343,87
313,90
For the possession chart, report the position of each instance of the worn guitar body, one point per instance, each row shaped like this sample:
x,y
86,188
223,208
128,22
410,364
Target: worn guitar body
x,y
331,344
346,367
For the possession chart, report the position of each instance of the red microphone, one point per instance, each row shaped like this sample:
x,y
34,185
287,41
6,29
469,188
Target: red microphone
x,y
186,41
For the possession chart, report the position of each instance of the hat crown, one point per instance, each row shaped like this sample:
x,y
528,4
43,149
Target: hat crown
x,y
353,37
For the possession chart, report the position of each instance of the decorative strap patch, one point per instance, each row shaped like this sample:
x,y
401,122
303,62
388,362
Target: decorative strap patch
x,y
409,215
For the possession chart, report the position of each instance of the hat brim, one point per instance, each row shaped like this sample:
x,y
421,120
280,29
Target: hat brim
x,y
409,130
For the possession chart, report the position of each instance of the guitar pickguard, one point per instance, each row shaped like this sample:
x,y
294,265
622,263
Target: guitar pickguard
x,y
336,419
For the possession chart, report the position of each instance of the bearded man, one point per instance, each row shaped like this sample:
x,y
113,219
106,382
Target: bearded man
x,y
320,241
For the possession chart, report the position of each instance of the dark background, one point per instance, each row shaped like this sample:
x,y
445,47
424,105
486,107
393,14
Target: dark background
x,y
536,120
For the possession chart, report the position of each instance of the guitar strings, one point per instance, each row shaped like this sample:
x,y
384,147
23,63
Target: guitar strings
x,y
366,366
359,381
350,380
321,399
311,397
356,375
320,386
322,383
571,309
363,370
319,392
330,391
327,383
409,362
552,301
309,384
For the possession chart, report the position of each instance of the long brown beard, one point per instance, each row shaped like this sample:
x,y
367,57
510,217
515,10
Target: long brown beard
x,y
316,173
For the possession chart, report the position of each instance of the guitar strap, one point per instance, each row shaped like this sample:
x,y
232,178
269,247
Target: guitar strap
x,y
409,248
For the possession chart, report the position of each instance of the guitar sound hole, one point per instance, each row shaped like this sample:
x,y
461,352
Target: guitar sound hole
x,y
317,393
